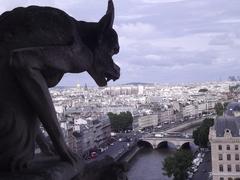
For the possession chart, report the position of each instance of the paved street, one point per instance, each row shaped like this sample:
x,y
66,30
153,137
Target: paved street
x,y
204,168
118,147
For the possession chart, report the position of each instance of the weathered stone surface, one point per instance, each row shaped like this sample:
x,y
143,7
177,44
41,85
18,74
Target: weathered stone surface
x,y
106,169
38,45
46,168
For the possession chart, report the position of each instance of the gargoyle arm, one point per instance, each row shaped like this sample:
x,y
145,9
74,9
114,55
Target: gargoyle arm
x,y
27,65
43,143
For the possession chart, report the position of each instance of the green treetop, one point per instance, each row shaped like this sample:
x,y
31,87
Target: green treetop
x,y
178,164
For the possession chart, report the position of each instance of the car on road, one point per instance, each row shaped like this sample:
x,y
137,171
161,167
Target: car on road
x,y
194,169
210,175
93,155
190,175
159,135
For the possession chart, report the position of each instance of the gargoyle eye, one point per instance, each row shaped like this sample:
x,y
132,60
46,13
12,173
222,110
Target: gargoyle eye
x,y
116,49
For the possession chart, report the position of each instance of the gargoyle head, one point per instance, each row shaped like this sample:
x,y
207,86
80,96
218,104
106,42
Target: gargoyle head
x,y
104,69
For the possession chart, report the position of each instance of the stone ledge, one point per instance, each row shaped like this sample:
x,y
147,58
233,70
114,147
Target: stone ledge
x,y
51,168
46,168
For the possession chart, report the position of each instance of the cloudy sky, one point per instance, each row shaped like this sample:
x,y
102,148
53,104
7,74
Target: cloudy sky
x,y
163,41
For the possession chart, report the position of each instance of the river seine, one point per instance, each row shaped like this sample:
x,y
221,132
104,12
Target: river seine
x,y
147,164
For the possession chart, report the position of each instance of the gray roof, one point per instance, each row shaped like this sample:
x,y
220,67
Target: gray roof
x,y
227,122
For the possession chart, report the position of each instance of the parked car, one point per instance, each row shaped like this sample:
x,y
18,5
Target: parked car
x,y
190,175
93,155
159,135
195,169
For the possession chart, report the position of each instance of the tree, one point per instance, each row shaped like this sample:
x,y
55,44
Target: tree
x,y
232,78
200,135
178,164
219,109
120,122
225,104
203,90
235,88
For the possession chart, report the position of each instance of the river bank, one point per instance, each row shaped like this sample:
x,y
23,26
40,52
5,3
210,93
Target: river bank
x,y
146,163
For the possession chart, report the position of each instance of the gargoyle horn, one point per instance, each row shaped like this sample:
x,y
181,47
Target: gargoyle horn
x,y
108,19
110,10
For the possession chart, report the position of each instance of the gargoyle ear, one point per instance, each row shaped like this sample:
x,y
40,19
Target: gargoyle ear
x,y
107,20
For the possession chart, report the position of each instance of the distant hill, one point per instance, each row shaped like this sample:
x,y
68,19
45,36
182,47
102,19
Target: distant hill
x,y
138,84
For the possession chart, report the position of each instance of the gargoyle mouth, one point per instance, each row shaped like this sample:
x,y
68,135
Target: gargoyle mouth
x,y
101,78
113,74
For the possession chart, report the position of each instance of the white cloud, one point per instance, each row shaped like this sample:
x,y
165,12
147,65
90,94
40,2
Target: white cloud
x,y
158,1
131,17
153,57
136,30
195,42
11,4
161,1
223,40
230,21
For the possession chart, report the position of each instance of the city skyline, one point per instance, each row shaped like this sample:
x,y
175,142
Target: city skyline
x,y
162,41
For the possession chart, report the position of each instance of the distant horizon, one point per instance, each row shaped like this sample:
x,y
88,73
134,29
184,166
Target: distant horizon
x,y
145,83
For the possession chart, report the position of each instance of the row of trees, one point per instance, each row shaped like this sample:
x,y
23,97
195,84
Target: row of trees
x,y
220,108
121,122
234,78
200,135
235,88
203,90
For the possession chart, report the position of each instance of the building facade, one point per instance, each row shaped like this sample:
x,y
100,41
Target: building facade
x,y
224,137
89,134
145,121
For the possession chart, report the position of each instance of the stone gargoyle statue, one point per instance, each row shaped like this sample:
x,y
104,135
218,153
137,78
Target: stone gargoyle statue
x,y
38,45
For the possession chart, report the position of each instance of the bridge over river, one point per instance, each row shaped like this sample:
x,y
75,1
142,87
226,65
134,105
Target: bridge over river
x,y
179,140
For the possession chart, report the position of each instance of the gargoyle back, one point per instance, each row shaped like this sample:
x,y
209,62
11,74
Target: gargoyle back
x,y
35,26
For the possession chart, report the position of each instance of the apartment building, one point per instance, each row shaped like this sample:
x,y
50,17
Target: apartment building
x,y
224,137
89,134
144,121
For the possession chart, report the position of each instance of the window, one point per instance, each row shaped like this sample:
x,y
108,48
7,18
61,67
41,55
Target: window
x,y
236,147
221,168
229,157
228,147
219,147
237,168
236,156
229,168
220,157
